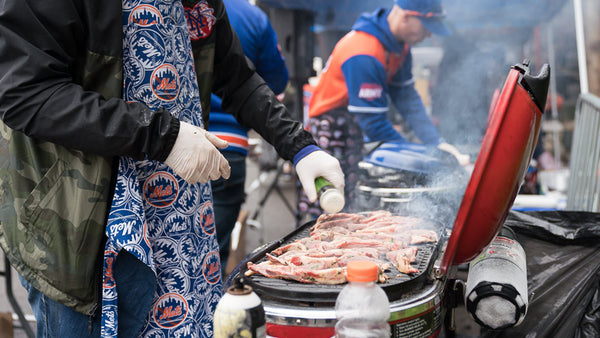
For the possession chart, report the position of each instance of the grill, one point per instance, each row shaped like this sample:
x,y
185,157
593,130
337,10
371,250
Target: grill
x,y
293,291
300,310
411,179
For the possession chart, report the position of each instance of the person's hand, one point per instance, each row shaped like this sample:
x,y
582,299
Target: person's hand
x,y
463,159
319,163
195,156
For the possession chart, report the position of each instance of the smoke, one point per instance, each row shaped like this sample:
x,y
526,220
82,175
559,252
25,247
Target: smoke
x,y
488,38
433,190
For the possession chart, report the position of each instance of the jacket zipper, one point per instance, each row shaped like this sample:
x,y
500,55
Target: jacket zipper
x,y
91,315
98,290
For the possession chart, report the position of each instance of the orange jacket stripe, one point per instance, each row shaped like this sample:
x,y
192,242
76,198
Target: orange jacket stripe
x,y
331,91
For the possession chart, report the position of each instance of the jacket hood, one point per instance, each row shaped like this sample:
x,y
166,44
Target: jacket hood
x,y
376,24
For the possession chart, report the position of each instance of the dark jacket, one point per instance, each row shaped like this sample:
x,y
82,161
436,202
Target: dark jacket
x,y
64,124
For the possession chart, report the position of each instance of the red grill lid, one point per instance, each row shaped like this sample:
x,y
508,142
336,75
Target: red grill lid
x,y
502,162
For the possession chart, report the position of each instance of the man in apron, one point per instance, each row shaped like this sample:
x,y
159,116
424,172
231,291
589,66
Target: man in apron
x,y
106,210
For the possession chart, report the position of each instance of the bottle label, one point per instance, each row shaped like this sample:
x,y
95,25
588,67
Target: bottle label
x,y
504,248
322,183
420,326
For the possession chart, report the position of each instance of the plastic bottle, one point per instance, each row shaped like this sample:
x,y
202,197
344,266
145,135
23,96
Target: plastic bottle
x,y
239,313
362,308
330,199
496,292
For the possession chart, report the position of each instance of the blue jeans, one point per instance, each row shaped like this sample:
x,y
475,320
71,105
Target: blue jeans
x,y
135,285
54,320
228,196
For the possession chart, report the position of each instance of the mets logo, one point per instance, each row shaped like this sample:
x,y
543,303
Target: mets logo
x,y
165,251
124,226
208,218
109,325
160,189
201,19
212,267
165,82
109,280
177,224
174,280
370,91
170,310
148,49
145,15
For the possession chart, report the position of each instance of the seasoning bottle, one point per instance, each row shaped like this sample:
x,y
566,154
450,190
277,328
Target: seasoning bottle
x,y
239,313
330,199
496,291
362,308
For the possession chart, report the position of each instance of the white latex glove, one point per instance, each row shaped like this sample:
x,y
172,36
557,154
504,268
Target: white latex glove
x,y
195,156
319,163
463,159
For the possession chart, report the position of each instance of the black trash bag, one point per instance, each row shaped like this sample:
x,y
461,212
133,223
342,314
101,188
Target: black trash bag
x,y
559,227
563,273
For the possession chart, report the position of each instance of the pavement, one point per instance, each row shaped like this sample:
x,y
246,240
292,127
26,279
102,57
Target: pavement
x,y
270,194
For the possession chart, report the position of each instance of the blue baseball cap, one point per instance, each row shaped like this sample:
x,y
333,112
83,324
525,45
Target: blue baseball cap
x,y
429,11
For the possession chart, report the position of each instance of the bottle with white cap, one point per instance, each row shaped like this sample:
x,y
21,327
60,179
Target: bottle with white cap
x,y
330,198
362,308
239,313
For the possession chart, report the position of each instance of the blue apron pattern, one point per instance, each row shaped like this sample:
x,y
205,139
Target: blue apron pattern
x,y
158,217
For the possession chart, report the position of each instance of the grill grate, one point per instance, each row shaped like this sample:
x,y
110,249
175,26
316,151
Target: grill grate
x,y
282,289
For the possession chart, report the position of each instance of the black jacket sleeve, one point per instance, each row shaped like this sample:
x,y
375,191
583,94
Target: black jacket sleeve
x,y
246,95
43,45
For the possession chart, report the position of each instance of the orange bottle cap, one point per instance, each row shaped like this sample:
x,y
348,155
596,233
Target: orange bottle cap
x,y
361,271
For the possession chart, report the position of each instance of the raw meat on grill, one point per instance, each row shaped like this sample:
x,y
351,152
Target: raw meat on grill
x,y
422,236
334,275
325,262
363,252
336,239
299,273
402,258
350,221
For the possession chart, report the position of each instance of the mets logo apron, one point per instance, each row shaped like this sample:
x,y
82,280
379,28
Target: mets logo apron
x,y
165,222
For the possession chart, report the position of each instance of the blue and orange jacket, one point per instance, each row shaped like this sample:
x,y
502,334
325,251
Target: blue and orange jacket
x,y
367,66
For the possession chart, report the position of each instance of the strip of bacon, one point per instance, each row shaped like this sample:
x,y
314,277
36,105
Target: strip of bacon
x,y
402,258
330,234
363,252
423,236
352,242
410,253
377,215
379,228
350,221
329,261
300,274
296,245
336,239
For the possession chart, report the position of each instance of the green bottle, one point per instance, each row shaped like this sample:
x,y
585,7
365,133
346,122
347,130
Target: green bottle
x,y
330,199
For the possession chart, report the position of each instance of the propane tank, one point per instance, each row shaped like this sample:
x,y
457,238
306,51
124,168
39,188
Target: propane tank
x,y
496,291
239,313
